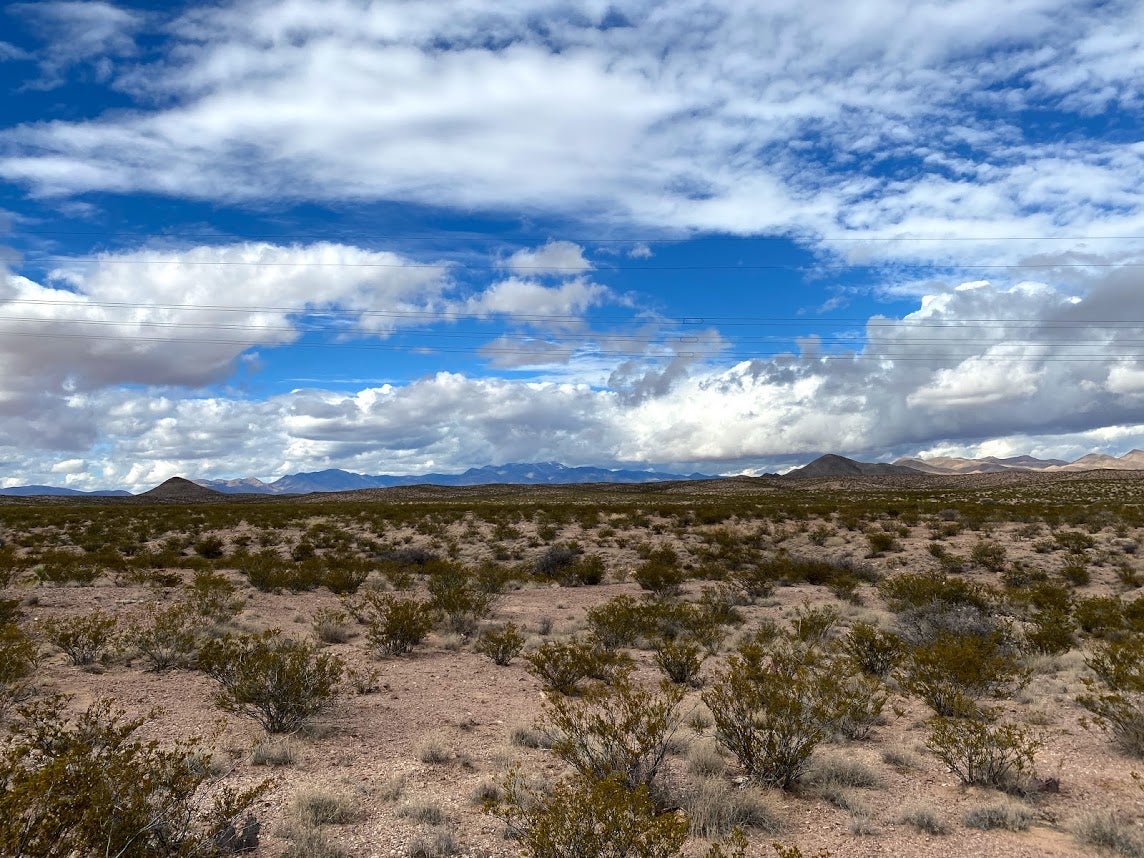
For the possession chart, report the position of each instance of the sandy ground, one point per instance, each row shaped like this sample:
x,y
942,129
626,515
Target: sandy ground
x,y
369,746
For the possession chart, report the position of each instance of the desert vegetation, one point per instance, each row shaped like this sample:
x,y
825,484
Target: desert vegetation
x,y
750,669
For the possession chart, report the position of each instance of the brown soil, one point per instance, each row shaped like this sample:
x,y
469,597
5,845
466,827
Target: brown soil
x,y
446,693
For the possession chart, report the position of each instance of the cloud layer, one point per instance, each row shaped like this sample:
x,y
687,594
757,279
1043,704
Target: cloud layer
x,y
1046,363
980,161
872,119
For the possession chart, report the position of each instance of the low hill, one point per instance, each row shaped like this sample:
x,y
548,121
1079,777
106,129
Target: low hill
x,y
832,465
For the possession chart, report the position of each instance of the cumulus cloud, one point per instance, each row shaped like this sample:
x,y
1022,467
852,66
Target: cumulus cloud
x,y
926,381
528,298
809,119
555,257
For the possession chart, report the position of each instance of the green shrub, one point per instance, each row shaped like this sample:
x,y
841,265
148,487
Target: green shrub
x,y
85,638
1099,616
213,595
395,626
680,659
813,626
622,732
564,665
1076,572
862,700
62,567
168,636
949,671
979,753
210,547
873,651
989,555
585,816
772,709
281,683
1115,695
619,622
138,798
501,644
1050,631
1074,541
18,661
344,575
661,573
880,542
456,597
922,589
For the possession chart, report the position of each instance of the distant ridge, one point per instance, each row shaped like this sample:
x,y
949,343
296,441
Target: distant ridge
x,y
832,465
56,491
1133,460
516,473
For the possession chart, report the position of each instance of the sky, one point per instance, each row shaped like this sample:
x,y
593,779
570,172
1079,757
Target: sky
x,y
260,237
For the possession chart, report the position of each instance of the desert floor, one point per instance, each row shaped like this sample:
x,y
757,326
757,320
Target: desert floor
x,y
443,724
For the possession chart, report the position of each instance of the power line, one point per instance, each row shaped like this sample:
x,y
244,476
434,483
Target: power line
x,y
449,315
585,269
471,235
544,350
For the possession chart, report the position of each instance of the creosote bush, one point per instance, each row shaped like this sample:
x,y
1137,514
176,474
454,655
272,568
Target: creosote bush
x,y
874,651
984,754
281,683
85,638
168,636
661,573
774,705
138,798
563,666
501,644
622,732
18,661
396,625
585,816
1115,694
680,659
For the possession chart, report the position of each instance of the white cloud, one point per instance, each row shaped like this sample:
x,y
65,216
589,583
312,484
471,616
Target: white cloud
x,y
812,119
521,297
555,257
996,388
90,32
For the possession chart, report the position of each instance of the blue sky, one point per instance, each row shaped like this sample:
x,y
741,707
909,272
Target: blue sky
x,y
256,238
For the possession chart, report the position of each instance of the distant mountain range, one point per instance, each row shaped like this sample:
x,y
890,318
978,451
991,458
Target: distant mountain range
x,y
831,465
553,473
56,491
518,473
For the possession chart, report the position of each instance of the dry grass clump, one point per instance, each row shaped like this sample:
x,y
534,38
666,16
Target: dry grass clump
x,y
434,751
925,819
434,843
311,843
704,759
1105,830
901,759
272,753
319,807
1007,814
424,811
715,809
835,770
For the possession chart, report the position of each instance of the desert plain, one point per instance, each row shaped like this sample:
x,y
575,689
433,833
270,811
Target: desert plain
x,y
412,748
